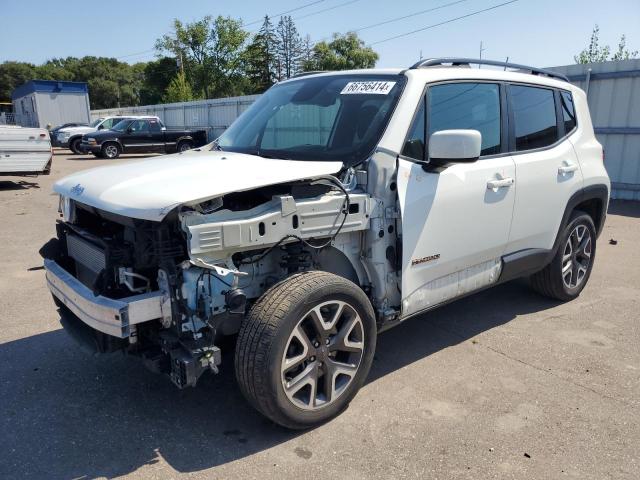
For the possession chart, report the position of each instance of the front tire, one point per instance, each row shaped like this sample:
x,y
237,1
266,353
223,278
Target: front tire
x,y
306,348
110,150
568,273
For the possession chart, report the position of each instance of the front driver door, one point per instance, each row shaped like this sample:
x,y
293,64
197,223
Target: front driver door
x,y
455,219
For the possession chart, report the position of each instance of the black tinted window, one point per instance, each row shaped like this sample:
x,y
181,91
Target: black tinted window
x,y
155,125
473,106
568,112
534,115
414,145
139,126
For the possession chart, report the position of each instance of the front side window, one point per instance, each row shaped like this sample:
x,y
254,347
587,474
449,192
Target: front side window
x,y
534,115
472,106
331,117
568,112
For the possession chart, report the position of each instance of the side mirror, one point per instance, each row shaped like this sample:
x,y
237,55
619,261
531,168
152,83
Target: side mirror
x,y
129,129
455,145
100,127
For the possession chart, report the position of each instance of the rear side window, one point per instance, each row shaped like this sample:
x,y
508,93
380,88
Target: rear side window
x,y
473,106
568,112
534,115
414,145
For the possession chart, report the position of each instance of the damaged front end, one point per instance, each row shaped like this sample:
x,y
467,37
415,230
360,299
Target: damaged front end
x,y
170,291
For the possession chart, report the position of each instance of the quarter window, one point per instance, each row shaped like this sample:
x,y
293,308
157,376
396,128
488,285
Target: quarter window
x,y
414,145
568,112
534,114
473,106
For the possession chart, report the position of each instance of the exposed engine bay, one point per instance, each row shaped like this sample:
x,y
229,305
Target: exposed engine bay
x,y
203,265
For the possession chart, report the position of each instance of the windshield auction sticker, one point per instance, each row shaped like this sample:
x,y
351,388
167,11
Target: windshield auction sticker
x,y
360,88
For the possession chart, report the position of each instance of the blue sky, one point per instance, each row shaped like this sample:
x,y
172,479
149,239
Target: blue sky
x,y
537,32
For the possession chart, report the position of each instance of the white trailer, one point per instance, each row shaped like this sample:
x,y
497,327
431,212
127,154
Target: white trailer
x,y
24,151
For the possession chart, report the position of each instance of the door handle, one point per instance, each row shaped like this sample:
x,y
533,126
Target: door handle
x,y
567,168
496,184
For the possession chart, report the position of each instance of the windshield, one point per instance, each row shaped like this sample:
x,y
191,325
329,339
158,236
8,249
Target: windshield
x,y
121,126
337,117
96,122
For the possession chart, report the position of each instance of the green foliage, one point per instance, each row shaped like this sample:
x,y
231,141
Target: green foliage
x,y
12,75
178,90
211,52
157,77
595,53
623,53
260,58
217,56
344,52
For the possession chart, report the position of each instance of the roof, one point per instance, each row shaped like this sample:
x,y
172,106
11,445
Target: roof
x,y
49,86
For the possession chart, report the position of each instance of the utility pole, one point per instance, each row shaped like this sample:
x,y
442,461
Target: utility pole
x,y
481,50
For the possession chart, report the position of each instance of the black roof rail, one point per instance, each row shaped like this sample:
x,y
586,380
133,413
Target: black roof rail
x,y
458,62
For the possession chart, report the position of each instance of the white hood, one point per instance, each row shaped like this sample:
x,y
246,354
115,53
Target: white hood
x,y
75,130
149,189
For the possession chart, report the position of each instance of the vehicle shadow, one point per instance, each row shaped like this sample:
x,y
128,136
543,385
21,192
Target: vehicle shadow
x,y
17,185
65,414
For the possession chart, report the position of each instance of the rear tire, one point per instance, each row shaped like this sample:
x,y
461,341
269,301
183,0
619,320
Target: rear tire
x,y
569,270
74,146
110,150
306,348
184,146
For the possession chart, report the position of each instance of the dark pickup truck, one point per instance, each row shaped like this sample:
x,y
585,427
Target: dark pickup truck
x,y
141,135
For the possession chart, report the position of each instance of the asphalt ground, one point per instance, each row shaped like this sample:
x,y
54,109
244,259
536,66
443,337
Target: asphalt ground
x,y
501,384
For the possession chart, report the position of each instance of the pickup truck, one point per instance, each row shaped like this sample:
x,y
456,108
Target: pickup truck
x,y
70,135
141,135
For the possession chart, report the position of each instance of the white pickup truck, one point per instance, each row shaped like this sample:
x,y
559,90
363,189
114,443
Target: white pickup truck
x,y
71,137
24,151
339,205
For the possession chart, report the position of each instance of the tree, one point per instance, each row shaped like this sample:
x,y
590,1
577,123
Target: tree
x,y
289,48
178,90
260,58
623,53
595,53
344,52
12,75
211,51
157,76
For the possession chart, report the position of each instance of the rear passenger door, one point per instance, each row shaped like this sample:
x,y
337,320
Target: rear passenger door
x,y
547,168
138,137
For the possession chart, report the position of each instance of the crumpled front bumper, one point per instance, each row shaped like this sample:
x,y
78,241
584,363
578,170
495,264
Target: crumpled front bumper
x,y
110,316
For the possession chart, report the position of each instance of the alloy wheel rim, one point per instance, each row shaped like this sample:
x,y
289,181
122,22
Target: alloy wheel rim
x,y
322,355
576,256
184,147
111,151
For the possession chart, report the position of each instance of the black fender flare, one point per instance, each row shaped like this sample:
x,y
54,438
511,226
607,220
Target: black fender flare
x,y
531,260
593,192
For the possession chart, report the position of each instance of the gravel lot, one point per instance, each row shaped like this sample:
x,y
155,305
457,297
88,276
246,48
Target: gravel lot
x,y
502,384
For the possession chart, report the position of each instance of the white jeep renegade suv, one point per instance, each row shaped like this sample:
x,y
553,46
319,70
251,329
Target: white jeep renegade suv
x,y
338,205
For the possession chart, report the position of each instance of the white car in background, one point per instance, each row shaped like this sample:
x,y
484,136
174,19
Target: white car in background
x,y
338,205
71,137
24,151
